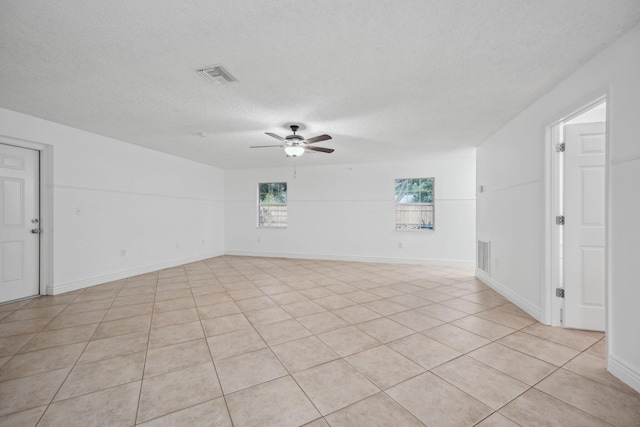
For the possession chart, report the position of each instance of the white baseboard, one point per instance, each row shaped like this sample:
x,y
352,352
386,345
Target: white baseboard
x,y
353,258
625,372
85,283
516,299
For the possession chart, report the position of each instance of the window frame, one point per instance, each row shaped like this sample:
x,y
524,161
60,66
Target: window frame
x,y
260,205
397,204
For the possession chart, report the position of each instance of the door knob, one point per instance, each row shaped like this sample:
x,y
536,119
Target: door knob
x,y
36,231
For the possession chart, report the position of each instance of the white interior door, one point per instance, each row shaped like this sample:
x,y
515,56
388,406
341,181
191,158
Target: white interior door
x,y
19,216
584,225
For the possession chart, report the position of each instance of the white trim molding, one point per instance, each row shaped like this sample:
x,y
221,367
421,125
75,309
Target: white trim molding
x,y
354,258
93,281
627,373
530,309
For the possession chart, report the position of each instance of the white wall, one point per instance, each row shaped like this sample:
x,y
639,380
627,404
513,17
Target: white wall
x,y
510,213
131,199
347,212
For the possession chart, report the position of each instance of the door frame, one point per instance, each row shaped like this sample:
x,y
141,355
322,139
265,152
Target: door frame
x,y
45,189
552,305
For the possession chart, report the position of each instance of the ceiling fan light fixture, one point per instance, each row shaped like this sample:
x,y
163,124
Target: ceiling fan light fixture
x,y
294,150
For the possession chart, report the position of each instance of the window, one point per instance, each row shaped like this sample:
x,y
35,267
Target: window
x,y
414,204
272,205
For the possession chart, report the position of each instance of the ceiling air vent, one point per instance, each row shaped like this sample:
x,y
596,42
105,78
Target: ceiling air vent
x,y
217,75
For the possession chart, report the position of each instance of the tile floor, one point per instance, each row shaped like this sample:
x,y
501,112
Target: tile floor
x,y
273,342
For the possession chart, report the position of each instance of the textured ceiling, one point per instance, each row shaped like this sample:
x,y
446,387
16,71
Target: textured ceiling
x,y
387,79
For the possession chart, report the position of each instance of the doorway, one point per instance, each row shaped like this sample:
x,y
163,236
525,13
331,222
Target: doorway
x,y
19,222
579,253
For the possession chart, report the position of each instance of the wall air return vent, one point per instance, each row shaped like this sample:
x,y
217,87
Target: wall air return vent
x,y
216,75
484,256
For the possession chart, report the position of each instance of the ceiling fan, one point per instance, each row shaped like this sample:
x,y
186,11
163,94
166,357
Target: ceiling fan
x,y
296,145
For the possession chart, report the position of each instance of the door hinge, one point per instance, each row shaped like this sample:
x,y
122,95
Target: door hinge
x,y
560,147
560,292
560,220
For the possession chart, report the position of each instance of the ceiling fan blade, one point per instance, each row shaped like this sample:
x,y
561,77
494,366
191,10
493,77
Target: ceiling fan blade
x,y
317,139
276,136
320,149
266,146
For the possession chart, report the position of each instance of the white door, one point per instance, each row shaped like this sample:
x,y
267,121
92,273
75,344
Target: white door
x,y
19,216
584,225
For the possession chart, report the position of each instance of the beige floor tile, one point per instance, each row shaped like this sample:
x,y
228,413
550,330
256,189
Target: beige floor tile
x,y
384,329
542,349
113,407
28,418
375,411
537,409
316,293
173,294
453,291
248,369
320,422
201,289
90,377
606,403
513,309
35,313
567,337
384,367
485,328
436,402
77,319
87,296
116,313
10,307
361,296
497,420
424,351
284,331
139,299
171,392
4,360
176,357
22,327
257,303
520,366
594,368
174,304
41,361
240,294
276,403
12,344
464,305
115,346
123,326
45,300
432,295
175,334
507,319
489,386
410,301
304,353
484,299
217,310
204,300
275,289
356,314
385,292
322,322
208,414
442,312
288,298
456,338
333,302
415,320
58,337
234,343
176,317
30,392
267,315
225,324
348,340
385,307
334,385
303,308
